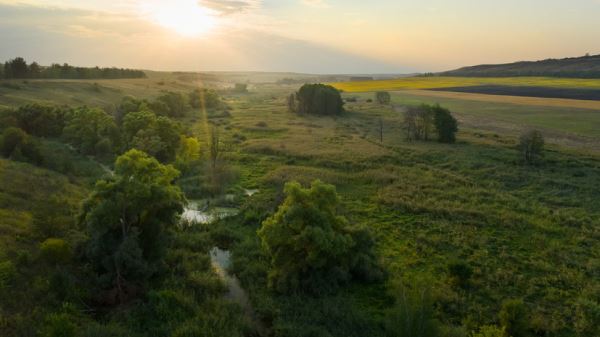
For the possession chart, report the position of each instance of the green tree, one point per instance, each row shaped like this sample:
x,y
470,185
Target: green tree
x,y
128,217
319,99
311,247
514,318
383,97
12,138
175,103
204,99
587,317
40,120
445,124
531,146
55,251
16,68
86,127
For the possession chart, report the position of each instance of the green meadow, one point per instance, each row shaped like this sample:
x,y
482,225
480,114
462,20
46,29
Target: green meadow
x,y
528,232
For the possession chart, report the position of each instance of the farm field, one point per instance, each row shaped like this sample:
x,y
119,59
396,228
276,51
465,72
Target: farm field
x,y
435,82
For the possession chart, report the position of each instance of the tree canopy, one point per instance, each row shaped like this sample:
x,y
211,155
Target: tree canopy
x,y
311,247
127,218
445,124
317,99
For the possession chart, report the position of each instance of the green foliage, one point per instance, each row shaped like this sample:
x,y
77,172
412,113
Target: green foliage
x,y
490,331
418,122
171,104
40,120
157,136
311,247
531,146
319,99
204,99
412,314
383,97
587,317
240,88
87,129
17,145
55,251
460,273
18,68
514,318
59,325
8,273
128,216
445,124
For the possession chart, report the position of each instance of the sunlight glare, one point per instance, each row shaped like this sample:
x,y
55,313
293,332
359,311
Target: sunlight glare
x,y
185,17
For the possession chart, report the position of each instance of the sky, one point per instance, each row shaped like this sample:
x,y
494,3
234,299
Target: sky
x,y
308,36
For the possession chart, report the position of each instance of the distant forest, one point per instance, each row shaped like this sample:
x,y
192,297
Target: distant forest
x,y
18,68
575,67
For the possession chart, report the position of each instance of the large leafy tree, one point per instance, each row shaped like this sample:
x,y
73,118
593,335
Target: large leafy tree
x,y
319,99
158,136
88,128
128,217
40,120
311,247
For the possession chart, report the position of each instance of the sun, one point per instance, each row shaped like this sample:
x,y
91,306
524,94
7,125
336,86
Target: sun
x,y
184,17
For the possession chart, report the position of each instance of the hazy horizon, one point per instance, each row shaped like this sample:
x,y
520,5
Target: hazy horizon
x,y
303,36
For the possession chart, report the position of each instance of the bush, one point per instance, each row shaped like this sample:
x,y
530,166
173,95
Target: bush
x,y
460,273
489,331
412,315
311,247
445,124
587,318
514,318
318,99
55,251
8,273
531,146
383,97
58,325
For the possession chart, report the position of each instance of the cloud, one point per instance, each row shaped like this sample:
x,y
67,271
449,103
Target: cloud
x,y
316,3
225,7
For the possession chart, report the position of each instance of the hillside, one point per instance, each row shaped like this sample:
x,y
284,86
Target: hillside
x,y
577,67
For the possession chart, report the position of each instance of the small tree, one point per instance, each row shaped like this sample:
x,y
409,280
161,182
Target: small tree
x,y
531,146
292,103
311,247
445,124
383,97
418,122
513,318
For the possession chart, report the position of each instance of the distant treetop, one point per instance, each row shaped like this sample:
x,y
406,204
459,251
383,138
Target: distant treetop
x,y
18,68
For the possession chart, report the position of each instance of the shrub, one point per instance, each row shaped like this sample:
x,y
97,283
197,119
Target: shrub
x,y
383,97
311,247
587,318
58,325
460,273
489,331
513,318
445,124
55,251
318,99
12,138
412,315
8,272
531,146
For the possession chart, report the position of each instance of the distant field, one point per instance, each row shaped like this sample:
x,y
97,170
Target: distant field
x,y
543,92
449,82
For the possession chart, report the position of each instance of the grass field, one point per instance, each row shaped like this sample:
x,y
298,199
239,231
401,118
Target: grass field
x,y
448,82
528,232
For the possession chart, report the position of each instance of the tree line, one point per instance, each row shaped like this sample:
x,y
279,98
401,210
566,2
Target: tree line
x,y
18,68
